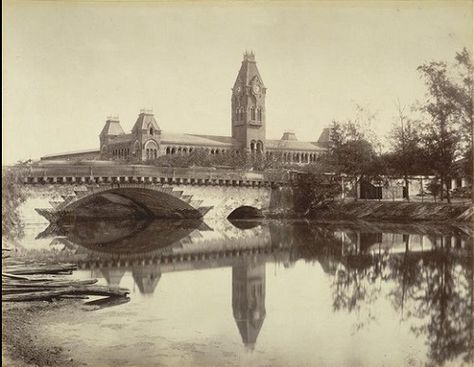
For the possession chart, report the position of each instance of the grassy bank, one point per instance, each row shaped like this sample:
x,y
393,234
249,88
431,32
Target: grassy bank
x,y
391,211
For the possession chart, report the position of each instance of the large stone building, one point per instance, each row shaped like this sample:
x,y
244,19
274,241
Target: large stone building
x,y
146,141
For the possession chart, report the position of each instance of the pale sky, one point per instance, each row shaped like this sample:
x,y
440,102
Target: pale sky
x,y
68,66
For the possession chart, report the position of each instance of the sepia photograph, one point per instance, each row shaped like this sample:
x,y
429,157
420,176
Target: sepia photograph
x,y
237,183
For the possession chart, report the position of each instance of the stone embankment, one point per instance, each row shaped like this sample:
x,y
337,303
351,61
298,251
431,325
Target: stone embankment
x,y
393,211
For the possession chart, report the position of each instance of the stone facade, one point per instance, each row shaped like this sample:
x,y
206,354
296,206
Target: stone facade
x,y
146,141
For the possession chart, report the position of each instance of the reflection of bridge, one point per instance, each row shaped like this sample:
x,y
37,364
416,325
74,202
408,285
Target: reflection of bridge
x,y
113,250
110,190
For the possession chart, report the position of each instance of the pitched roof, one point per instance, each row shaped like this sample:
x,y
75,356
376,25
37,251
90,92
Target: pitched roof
x,y
124,138
289,135
324,137
248,70
221,139
76,152
189,139
112,127
293,145
145,120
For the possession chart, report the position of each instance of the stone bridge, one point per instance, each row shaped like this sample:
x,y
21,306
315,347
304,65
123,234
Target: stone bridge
x,y
108,190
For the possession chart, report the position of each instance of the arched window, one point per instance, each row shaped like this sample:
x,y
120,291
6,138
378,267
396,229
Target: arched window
x,y
252,113
168,150
259,147
151,131
151,148
259,114
252,146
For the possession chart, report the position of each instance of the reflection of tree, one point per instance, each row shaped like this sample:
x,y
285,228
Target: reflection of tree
x,y
438,288
355,288
433,287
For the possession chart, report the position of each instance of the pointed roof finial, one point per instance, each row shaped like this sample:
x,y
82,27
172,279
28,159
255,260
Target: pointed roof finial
x,y
249,56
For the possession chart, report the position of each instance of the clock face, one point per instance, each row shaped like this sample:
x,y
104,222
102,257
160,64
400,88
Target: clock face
x,y
256,89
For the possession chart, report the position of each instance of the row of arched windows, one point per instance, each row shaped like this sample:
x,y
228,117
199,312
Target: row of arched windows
x,y
151,153
121,153
299,157
256,147
185,150
178,150
292,157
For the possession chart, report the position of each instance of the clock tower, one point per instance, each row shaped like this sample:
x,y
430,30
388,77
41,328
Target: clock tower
x,y
248,107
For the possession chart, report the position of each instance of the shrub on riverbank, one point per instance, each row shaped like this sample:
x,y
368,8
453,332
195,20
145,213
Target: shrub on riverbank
x,y
13,194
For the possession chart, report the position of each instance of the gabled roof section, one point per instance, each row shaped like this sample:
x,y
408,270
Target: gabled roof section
x,y
220,139
325,135
248,71
294,145
112,127
191,139
289,135
145,120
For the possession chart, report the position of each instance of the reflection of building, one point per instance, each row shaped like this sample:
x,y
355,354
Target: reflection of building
x,y
113,276
146,279
248,299
147,141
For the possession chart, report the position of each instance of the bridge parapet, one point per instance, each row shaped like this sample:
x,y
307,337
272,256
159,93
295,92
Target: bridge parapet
x,y
109,174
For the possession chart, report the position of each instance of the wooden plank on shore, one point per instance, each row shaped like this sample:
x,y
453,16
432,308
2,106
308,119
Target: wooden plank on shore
x,y
92,290
99,304
47,269
33,277
52,284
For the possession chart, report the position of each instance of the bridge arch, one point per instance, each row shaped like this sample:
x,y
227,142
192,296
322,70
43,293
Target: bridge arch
x,y
131,201
245,212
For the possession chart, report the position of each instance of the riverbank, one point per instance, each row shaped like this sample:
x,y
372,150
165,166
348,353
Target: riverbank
x,y
398,212
24,341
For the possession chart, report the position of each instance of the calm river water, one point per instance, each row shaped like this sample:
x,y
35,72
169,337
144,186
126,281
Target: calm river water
x,y
269,293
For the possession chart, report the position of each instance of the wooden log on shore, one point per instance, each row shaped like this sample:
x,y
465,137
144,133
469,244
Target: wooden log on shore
x,y
47,269
102,303
49,294
34,277
16,290
13,276
52,283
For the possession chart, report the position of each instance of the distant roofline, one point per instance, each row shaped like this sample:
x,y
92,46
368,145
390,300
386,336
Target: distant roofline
x,y
71,153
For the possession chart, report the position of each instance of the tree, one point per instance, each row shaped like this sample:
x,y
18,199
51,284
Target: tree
x,y
406,155
441,135
463,97
313,189
13,195
351,151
